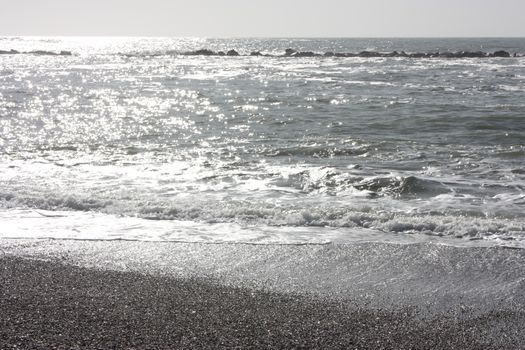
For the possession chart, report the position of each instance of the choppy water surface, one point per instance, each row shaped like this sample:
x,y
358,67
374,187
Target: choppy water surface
x,y
128,139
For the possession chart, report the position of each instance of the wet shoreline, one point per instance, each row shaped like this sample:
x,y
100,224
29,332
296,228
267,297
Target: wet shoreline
x,y
153,295
52,305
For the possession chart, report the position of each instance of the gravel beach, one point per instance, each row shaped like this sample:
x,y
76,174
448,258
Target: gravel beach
x,y
48,304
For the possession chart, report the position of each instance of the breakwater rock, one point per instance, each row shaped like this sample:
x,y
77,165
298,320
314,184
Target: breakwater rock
x,y
363,54
294,54
36,52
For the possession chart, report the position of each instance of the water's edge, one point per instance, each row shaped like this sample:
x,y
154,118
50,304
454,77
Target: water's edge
x,y
432,276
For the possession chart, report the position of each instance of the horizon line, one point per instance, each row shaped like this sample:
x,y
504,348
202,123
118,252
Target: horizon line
x,y
256,37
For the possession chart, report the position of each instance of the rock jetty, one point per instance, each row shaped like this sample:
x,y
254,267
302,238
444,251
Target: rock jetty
x,y
36,52
365,54
294,53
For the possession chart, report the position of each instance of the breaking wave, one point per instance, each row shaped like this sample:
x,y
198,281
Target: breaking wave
x,y
319,215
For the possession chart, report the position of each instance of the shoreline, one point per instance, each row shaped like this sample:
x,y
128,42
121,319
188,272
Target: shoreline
x,y
52,305
137,295
441,276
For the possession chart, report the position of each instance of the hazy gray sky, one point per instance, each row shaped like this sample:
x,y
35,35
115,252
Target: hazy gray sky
x,y
283,18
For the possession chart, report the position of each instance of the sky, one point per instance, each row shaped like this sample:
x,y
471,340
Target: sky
x,y
264,18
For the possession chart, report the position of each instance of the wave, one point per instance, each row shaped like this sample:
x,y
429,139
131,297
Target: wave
x,y
333,182
53,202
403,186
309,213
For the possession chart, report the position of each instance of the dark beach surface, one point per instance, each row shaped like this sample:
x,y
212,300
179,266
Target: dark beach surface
x,y
88,295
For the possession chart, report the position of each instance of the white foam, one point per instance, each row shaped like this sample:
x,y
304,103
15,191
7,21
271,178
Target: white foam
x,y
256,226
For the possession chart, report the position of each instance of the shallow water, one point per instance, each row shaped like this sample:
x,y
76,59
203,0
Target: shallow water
x,y
128,139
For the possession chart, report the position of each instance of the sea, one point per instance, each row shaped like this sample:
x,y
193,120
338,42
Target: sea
x,y
131,139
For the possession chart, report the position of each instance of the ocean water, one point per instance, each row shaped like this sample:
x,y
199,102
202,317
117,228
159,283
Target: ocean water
x,y
129,139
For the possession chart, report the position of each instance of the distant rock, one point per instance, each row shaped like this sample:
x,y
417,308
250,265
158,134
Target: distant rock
x,y
10,52
294,53
37,52
43,53
476,54
418,55
369,54
446,55
201,52
501,53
